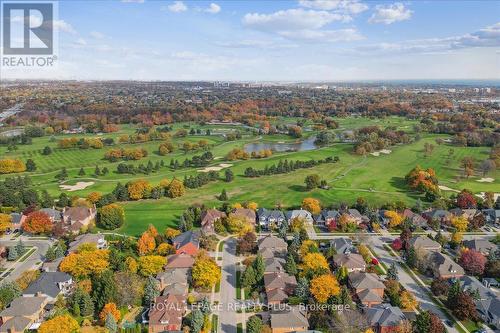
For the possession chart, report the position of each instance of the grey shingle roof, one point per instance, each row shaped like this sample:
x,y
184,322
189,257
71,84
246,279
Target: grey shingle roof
x,y
47,284
24,306
361,280
384,315
187,237
291,317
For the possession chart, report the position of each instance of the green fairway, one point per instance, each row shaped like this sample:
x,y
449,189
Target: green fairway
x,y
380,179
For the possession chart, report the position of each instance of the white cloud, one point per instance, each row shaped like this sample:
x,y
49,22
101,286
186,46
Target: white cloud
x,y
291,19
348,6
97,35
390,13
341,35
133,1
177,7
213,8
61,25
261,44
81,41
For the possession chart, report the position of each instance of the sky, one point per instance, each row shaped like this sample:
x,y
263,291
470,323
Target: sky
x,y
274,40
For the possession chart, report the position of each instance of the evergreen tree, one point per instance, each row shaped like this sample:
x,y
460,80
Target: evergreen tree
x,y
63,200
223,195
392,272
422,323
105,171
111,323
120,192
196,321
76,309
411,258
453,292
46,200
103,289
290,266
97,171
81,172
259,267
20,248
13,255
205,306
30,165
254,325
302,289
151,290
283,230
248,277
63,175
228,175
50,255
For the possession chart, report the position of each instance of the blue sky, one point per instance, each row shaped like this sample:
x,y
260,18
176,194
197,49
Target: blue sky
x,y
310,40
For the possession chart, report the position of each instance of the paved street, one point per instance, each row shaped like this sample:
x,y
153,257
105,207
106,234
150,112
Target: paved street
x,y
33,261
227,315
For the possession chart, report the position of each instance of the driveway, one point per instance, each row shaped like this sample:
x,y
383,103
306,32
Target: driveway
x,y
227,314
33,262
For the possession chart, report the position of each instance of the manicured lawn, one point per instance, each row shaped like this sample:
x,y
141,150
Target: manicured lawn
x,y
215,323
471,326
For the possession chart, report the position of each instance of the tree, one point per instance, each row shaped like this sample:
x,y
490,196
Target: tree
x,y
62,175
422,323
248,277
81,299
111,216
395,219
472,261
205,272
129,289
392,272
146,244
151,265
85,263
38,222
323,287
466,199
81,172
437,325
464,307
314,264
408,301
151,290
138,189
223,195
302,289
196,320
46,150
60,324
109,308
228,176
290,265
254,325
5,223
439,286
247,243
176,189
30,165
411,258
312,181
26,278
103,289
312,205
259,267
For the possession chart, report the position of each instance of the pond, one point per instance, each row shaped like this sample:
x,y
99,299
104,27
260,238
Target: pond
x,y
307,144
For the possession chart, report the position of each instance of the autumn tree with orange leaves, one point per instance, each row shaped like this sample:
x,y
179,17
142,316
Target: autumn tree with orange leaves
x,y
109,308
38,223
422,180
323,287
312,205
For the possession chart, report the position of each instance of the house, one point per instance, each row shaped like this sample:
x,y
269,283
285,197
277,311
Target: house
x,y
489,311
188,242
415,219
440,215
269,219
351,261
22,314
327,218
52,266
166,313
279,286
357,217
271,246
368,288
384,318
97,239
492,216
424,242
480,245
291,319
78,218
472,285
299,214
274,265
342,245
181,260
467,213
247,214
444,267
490,282
172,276
17,219
54,214
50,285
208,219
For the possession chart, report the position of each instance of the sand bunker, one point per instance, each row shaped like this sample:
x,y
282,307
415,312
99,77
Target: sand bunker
x,y
486,180
383,151
78,186
446,188
216,168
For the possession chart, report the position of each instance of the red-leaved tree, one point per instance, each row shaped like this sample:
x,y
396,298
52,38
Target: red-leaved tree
x,y
466,200
472,261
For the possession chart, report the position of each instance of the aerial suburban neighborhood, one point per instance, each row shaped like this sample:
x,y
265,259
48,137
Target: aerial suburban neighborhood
x,y
207,166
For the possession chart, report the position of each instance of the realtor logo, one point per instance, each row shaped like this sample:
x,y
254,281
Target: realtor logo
x,y
28,28
29,37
